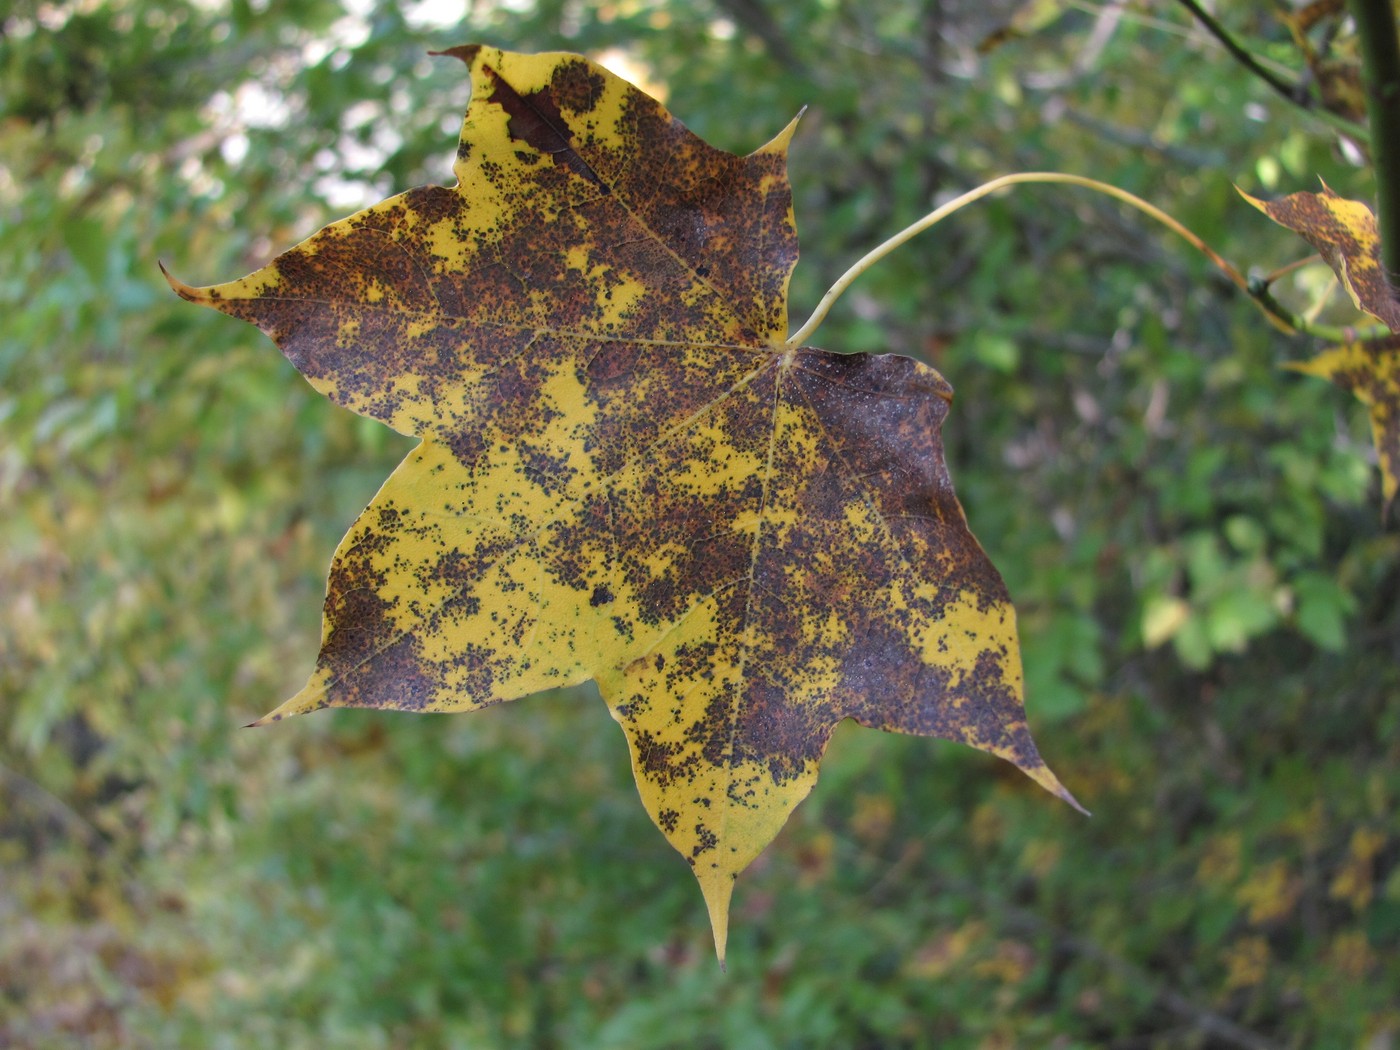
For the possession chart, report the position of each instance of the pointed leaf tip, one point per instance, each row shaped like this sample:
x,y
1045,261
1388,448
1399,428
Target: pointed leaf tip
x,y
311,698
1045,778
180,288
1065,794
717,888
466,52
780,142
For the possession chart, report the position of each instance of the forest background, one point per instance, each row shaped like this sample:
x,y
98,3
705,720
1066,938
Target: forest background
x,y
1192,535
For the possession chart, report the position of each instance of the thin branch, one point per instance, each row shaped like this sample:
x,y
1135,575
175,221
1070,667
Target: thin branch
x,y
1285,320
1380,58
1241,55
1284,271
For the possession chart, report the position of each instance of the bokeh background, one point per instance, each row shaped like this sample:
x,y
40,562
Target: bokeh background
x,y
1192,534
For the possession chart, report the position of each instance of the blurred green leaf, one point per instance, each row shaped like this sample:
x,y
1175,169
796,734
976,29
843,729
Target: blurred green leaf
x,y
1322,609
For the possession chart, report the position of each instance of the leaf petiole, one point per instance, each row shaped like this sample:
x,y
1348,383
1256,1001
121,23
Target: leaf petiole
x,y
1276,314
958,203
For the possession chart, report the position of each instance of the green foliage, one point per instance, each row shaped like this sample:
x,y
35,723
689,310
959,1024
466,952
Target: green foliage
x,y
171,493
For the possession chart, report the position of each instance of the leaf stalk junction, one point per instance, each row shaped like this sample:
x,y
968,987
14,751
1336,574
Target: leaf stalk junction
x,y
1257,289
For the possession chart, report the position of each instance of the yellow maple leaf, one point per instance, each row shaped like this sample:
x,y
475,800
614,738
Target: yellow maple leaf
x,y
627,474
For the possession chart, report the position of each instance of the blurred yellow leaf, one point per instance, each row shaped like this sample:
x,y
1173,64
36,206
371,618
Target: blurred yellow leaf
x,y
1355,882
1246,962
945,951
1029,18
1350,954
1162,617
1221,861
1270,892
1369,369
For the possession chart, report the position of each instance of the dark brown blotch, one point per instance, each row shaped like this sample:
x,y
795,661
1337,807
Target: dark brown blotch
x,y
535,120
658,760
392,677
783,736
577,86
436,204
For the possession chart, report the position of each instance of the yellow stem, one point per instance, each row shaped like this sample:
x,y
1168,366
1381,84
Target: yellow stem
x,y
936,216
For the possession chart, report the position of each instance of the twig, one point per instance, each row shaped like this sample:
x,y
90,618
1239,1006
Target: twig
x,y
1380,59
1284,318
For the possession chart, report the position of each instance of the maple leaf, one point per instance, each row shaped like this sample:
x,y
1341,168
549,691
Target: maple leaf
x,y
1345,234
627,474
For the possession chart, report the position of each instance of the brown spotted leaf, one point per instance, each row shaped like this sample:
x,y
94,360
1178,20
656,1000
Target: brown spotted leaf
x,y
625,472
1370,369
1344,233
